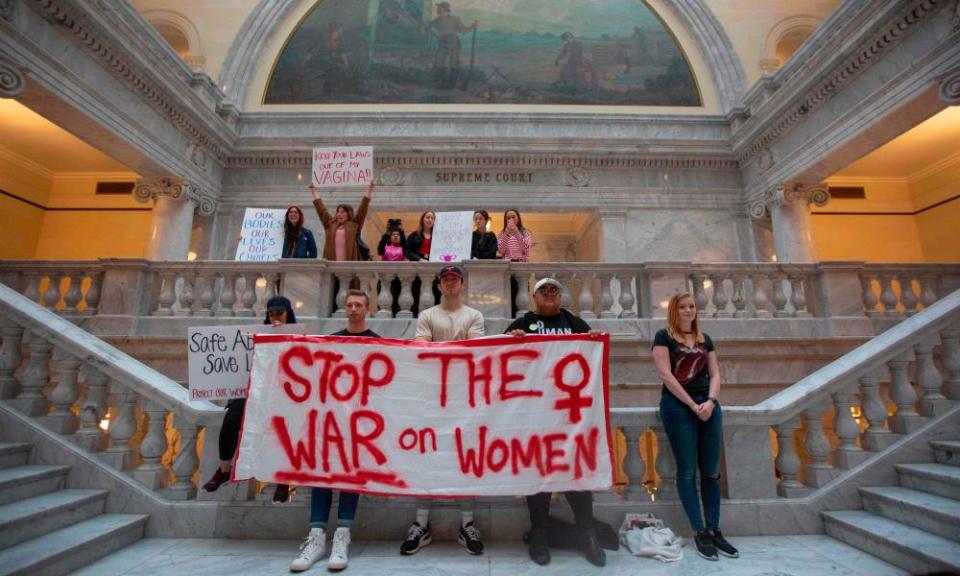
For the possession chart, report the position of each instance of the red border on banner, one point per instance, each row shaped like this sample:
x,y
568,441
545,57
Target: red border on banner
x,y
498,340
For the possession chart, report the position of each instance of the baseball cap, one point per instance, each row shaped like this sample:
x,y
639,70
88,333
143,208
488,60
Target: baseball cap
x,y
447,270
278,304
547,282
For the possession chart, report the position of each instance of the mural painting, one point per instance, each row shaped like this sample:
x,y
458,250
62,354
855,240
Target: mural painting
x,y
598,52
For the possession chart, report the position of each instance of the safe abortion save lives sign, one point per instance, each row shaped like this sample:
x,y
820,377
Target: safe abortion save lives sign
x,y
493,416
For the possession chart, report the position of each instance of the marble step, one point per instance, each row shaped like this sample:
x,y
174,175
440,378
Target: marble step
x,y
25,519
69,548
947,451
940,479
29,481
13,454
928,512
912,549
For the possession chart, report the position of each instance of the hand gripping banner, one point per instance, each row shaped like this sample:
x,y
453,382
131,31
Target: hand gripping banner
x,y
493,416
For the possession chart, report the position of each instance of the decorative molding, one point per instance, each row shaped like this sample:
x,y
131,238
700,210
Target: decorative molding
x,y
801,22
950,88
842,74
95,41
392,176
569,162
956,16
12,80
25,163
145,191
793,193
577,176
8,10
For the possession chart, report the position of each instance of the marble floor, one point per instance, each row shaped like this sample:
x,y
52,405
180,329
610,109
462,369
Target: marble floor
x,y
760,556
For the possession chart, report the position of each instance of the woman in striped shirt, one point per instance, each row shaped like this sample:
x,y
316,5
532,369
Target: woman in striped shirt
x,y
514,241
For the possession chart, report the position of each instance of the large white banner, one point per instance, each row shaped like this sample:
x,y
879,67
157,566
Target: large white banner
x,y
219,358
342,166
493,416
452,237
261,235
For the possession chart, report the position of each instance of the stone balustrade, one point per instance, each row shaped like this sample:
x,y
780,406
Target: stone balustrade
x,y
903,290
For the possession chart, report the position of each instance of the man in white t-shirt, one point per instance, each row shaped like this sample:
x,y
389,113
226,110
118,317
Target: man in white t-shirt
x,y
450,320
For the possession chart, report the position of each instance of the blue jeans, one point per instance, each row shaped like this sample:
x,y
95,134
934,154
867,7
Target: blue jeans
x,y
695,443
320,499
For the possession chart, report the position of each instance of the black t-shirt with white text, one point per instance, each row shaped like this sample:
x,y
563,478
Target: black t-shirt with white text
x,y
688,365
368,333
562,323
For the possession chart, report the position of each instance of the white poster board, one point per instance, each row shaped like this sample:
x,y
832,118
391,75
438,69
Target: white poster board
x,y
342,166
219,358
261,235
452,237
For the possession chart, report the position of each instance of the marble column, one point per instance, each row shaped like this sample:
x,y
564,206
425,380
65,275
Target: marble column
x,y
789,209
613,246
173,211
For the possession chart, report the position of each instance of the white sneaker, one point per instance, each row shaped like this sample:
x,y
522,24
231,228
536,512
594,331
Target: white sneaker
x,y
312,549
338,553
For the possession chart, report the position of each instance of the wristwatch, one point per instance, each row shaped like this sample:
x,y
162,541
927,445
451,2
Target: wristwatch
x,y
716,403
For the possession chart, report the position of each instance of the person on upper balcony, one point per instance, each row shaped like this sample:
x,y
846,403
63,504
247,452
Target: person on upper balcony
x,y
342,228
418,242
298,241
483,245
514,241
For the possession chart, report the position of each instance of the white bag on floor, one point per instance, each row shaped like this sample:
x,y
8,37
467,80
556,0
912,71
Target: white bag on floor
x,y
646,535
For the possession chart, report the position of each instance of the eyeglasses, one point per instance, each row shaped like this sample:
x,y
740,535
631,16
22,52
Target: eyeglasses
x,y
549,291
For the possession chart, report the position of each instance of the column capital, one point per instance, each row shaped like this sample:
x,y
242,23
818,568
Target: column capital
x,y
12,80
147,190
8,9
950,84
789,193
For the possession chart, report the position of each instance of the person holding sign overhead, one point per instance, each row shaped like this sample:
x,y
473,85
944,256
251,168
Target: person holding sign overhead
x,y
343,227
315,545
550,318
279,311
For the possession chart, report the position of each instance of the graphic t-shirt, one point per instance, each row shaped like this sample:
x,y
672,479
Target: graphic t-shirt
x,y
393,253
687,364
368,333
562,323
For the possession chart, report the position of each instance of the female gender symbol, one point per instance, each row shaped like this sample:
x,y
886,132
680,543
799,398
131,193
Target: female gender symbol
x,y
574,401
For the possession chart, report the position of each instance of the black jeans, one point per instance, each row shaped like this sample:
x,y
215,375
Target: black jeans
x,y
230,429
580,502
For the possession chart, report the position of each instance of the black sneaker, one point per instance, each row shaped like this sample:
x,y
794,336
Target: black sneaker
x,y
539,546
705,548
722,545
282,494
219,478
417,538
469,538
591,548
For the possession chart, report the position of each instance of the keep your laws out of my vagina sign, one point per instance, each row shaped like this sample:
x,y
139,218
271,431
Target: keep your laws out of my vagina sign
x,y
492,416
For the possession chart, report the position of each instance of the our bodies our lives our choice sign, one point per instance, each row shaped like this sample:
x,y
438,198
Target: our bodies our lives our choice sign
x,y
219,358
261,235
492,416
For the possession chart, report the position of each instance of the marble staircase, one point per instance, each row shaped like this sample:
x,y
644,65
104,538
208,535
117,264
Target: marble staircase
x,y
48,529
915,525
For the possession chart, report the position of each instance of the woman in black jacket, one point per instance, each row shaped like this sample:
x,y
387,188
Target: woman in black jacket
x,y
484,243
418,242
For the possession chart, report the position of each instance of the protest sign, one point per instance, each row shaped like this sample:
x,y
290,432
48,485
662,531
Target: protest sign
x,y
219,358
452,237
492,416
342,166
261,235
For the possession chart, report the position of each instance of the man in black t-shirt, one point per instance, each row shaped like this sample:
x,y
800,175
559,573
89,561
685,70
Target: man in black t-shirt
x,y
550,318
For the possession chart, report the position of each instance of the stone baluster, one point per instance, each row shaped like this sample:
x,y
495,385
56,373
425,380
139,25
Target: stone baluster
x,y
52,296
566,298
719,296
151,472
928,291
168,294
523,293
888,298
697,281
384,295
94,409
788,463
627,300
228,293
633,465
73,296
186,462
906,419
31,400
666,466
272,287
739,299
186,296
869,297
779,295
407,297
62,420
31,290
92,298
798,296
249,296
932,401
818,471
907,296
847,454
950,356
876,437
120,454
340,299
760,300
606,296
10,357
586,296
204,286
